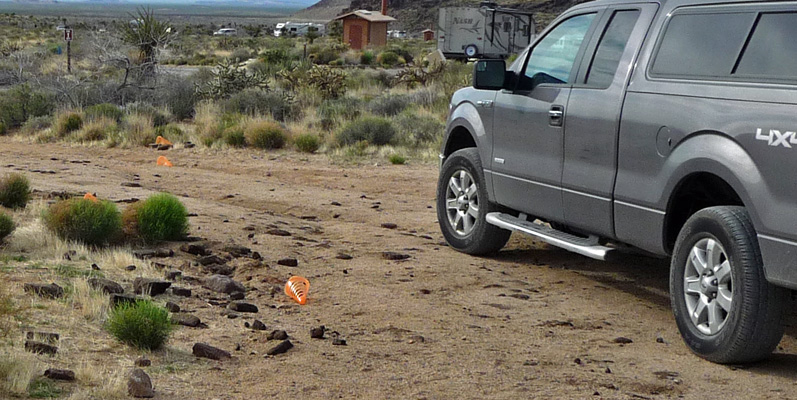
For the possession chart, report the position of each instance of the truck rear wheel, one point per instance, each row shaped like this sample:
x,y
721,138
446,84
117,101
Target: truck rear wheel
x,y
462,206
725,309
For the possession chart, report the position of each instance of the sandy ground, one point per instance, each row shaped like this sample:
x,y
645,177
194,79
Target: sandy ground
x,y
532,322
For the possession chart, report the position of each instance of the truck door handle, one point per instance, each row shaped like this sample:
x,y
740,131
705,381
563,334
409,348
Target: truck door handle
x,y
484,103
556,115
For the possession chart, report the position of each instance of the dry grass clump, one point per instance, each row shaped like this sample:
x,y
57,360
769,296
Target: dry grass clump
x,y
95,223
7,225
264,134
139,130
18,369
68,122
14,191
97,129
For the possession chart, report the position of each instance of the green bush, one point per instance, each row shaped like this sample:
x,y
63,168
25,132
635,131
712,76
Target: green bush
x,y
6,225
375,130
346,108
3,129
104,110
262,102
389,105
171,132
307,143
21,103
234,136
14,191
396,159
367,57
265,135
68,123
160,217
94,223
388,58
417,130
143,325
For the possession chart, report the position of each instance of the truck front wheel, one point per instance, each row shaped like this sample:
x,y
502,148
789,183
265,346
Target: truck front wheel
x,y
725,309
462,206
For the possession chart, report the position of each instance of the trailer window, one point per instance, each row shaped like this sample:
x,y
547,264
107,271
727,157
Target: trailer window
x,y
610,48
552,59
772,48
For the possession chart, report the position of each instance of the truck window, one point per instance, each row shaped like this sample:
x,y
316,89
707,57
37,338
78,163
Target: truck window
x,y
702,45
610,48
772,48
552,59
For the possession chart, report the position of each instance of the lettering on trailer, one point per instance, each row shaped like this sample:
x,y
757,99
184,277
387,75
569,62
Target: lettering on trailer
x,y
462,21
776,138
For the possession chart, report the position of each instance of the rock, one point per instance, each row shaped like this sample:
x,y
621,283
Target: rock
x,y
69,254
660,339
40,348
43,336
623,340
60,374
317,333
143,362
280,348
389,225
218,269
339,342
343,256
95,267
237,251
172,274
243,307
186,320
277,335
181,292
223,284
152,287
189,145
131,184
278,232
106,285
118,299
335,203
250,228
130,268
51,291
289,262
237,296
207,351
139,384
195,249
156,253
210,260
172,307
258,325
393,256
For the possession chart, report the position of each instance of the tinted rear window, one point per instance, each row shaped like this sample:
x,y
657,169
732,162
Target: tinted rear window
x,y
772,50
611,47
702,45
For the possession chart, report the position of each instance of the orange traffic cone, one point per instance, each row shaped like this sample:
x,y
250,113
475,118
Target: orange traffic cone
x,y
162,141
297,289
89,196
164,162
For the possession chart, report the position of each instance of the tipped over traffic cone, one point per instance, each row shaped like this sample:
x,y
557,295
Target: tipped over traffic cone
x,y
89,196
164,162
297,289
162,141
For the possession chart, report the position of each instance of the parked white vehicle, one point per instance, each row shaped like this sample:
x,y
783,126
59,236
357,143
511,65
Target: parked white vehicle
x,y
226,32
298,28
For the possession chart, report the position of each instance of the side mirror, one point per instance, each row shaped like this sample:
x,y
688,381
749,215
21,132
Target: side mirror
x,y
489,74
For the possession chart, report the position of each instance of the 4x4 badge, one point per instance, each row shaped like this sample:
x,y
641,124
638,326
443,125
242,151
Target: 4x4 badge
x,y
775,138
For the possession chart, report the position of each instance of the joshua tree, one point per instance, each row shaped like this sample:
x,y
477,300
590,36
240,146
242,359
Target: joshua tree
x,y
149,36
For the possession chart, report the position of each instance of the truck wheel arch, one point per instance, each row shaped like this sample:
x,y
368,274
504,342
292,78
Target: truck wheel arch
x,y
459,138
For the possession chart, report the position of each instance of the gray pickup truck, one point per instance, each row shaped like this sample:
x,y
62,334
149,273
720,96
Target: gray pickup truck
x,y
666,125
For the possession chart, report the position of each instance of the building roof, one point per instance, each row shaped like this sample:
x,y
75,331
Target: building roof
x,y
371,16
428,30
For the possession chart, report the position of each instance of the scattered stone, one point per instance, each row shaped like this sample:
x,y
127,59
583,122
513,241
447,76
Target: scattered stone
x,y
237,296
258,325
278,232
250,228
389,225
95,267
238,251
194,249
139,384
343,256
339,342
660,339
520,296
335,203
40,348
173,274
223,284
131,184
60,374
143,362
189,145
243,307
280,348
43,336
210,260
256,255
186,320
172,307
289,262
51,291
156,253
531,363
277,335
317,333
130,267
622,340
119,299
218,269
106,285
393,256
152,287
181,292
69,254
207,351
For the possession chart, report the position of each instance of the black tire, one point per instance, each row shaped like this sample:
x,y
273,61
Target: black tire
x,y
471,51
754,325
483,238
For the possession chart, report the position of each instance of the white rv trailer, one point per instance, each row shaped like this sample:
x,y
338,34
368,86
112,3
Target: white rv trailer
x,y
487,32
298,28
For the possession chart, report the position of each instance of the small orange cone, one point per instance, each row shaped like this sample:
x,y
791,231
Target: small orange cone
x,y
297,289
164,162
162,141
89,196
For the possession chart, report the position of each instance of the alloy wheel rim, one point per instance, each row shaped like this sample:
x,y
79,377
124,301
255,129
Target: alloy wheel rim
x,y
462,202
708,286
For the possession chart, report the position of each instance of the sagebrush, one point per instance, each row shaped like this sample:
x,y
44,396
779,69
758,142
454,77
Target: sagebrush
x,y
14,191
94,223
6,225
143,325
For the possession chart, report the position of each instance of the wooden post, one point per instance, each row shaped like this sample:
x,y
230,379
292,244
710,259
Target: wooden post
x,y
69,57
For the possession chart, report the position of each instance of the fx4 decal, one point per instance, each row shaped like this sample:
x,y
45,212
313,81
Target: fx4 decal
x,y
776,138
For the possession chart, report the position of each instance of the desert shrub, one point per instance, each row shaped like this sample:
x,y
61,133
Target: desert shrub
x,y
180,96
266,135
345,109
139,129
367,57
160,217
97,130
104,110
324,55
6,225
67,123
418,129
91,222
375,130
307,143
234,136
388,59
21,102
331,83
171,132
14,191
389,105
37,124
241,55
3,129
143,325
158,116
230,77
208,124
397,159
253,102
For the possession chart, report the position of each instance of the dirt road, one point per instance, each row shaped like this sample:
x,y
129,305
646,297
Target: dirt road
x,y
532,322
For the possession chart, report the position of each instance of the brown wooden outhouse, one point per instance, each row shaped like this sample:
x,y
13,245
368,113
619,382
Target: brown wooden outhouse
x,y
428,35
363,28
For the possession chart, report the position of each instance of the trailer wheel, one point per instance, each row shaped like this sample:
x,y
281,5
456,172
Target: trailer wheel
x,y
471,50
